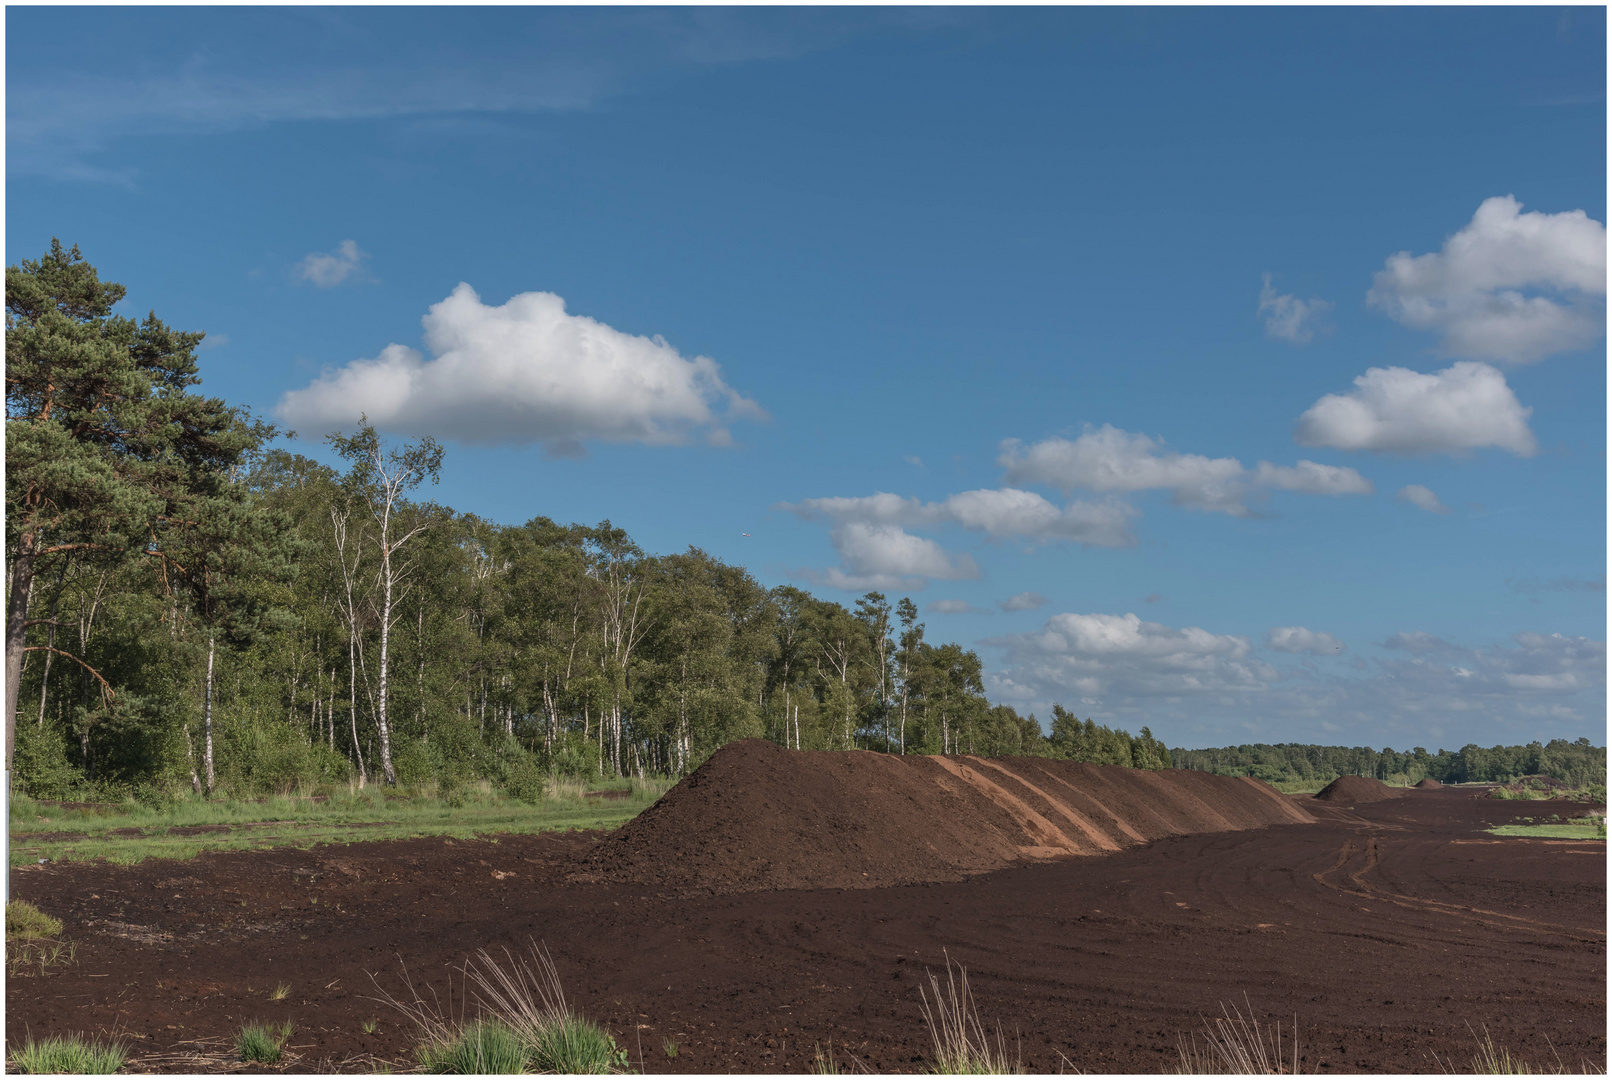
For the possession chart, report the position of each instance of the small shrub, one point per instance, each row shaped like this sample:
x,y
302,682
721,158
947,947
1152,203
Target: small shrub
x,y
262,1042
523,780
68,1054
486,1046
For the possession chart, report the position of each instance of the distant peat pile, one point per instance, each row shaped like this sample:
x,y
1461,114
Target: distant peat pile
x,y
1357,789
1428,784
757,816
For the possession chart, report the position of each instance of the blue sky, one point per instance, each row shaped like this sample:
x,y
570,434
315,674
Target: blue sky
x,y
968,305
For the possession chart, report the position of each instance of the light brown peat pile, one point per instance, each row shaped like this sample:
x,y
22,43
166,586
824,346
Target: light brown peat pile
x,y
757,816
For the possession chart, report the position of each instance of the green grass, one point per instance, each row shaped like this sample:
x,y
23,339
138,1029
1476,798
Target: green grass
x,y
485,1046
1300,787
1560,830
33,939
68,1055
262,1042
129,832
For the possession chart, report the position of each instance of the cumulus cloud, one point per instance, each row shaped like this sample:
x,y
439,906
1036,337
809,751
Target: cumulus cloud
x,y
526,371
1394,410
1510,286
332,269
1001,514
877,552
1098,657
1287,318
1312,479
1423,497
1108,459
1024,601
1296,639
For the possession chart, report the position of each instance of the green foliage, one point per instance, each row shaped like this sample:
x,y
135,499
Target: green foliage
x,y
26,922
68,1054
523,780
43,769
1577,763
263,1043
33,940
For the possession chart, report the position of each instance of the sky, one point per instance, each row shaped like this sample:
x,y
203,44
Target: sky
x,y
1236,372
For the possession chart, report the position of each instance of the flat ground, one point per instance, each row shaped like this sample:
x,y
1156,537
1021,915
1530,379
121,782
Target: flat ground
x,y
1387,929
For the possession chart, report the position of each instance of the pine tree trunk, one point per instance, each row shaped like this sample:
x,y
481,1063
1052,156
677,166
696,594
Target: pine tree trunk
x,y
207,720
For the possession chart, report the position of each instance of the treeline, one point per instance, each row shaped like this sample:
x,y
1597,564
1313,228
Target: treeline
x,y
191,604
1578,763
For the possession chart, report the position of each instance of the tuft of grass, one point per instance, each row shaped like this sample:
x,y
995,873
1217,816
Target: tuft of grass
x,y
823,1061
262,1042
960,1042
68,1054
280,992
527,1001
369,1026
1238,1045
670,1046
483,1047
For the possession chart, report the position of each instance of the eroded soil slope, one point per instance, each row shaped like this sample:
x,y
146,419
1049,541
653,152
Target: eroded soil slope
x,y
757,816
1357,789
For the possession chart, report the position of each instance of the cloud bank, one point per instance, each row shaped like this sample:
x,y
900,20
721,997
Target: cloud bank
x,y
1421,497
1296,639
1394,410
1509,287
526,372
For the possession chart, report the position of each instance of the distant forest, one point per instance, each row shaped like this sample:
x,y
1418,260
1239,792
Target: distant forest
x,y
1577,763
191,606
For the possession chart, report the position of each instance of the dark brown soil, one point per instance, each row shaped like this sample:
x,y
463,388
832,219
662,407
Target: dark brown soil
x,y
1387,930
1357,789
1428,783
757,816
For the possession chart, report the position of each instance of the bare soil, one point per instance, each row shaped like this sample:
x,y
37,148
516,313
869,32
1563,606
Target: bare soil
x,y
1357,789
1386,929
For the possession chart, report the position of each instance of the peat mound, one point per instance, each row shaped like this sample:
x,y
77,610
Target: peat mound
x,y
1428,783
1357,789
757,816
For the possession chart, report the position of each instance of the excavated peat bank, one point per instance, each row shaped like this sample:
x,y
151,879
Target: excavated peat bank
x,y
1387,928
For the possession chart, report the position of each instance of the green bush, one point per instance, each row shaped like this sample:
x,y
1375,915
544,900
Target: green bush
x,y
523,780
262,1042
574,1045
40,764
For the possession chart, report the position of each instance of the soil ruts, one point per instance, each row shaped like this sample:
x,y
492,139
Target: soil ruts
x,y
1357,789
1428,784
757,816
1387,930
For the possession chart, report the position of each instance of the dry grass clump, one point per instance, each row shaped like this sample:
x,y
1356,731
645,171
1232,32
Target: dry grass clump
x,y
524,1023
961,1043
1492,1060
1237,1045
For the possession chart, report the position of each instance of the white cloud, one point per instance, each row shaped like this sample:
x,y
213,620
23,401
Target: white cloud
x,y
1095,658
333,269
1296,639
1540,664
1473,291
1289,318
1395,410
877,552
1108,459
524,372
954,607
1312,479
1024,601
1417,495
